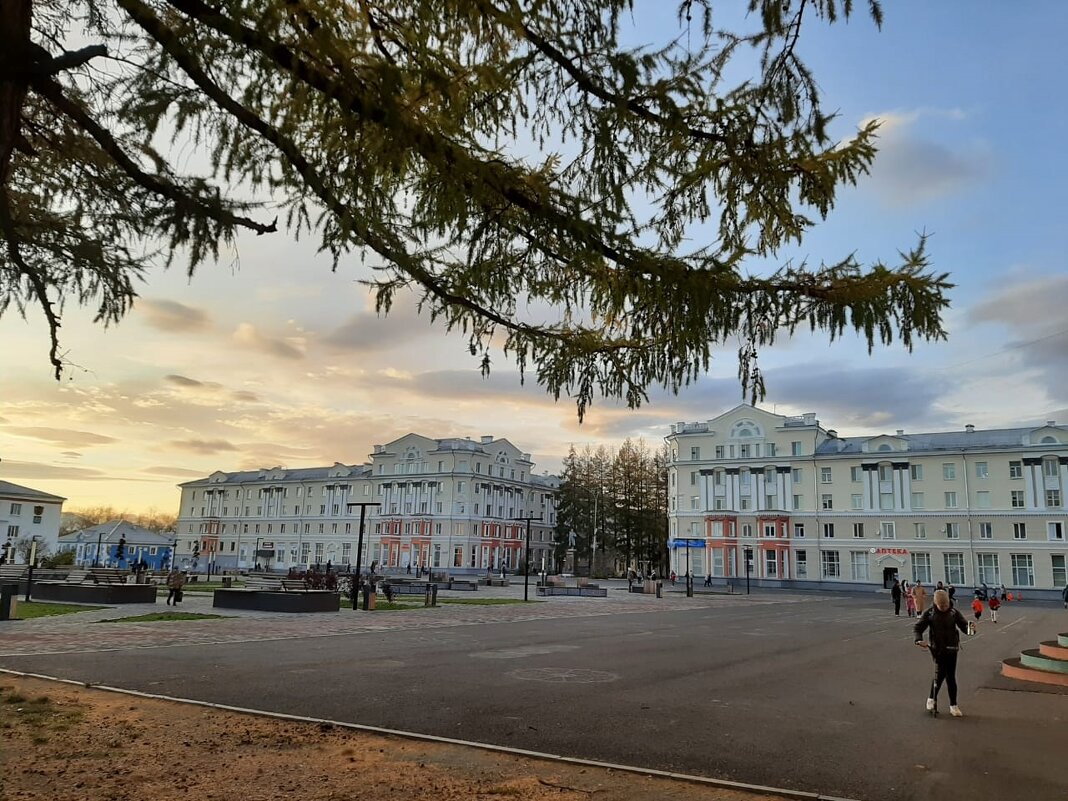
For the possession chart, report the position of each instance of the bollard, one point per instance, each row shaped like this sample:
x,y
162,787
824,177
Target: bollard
x,y
368,598
659,589
8,601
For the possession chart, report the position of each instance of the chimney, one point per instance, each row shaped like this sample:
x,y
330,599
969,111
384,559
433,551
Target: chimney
x,y
1051,423
901,432
809,418
969,428
486,439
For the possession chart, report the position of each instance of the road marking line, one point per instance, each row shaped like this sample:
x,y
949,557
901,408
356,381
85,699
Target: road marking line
x,y
1010,625
433,738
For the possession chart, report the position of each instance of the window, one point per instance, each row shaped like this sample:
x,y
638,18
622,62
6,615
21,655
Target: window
x,y
1055,531
799,530
886,500
795,475
743,451
982,499
1060,578
16,508
856,501
982,470
951,500
885,472
38,511
949,471
1049,468
693,478
771,564
1019,531
1053,501
1017,499
828,530
695,502
831,567
986,531
916,471
989,570
854,474
1023,570
695,453
858,563
952,531
887,530
826,502
1015,469
795,448
858,530
745,504
769,530
13,532
801,562
921,567
920,531
770,446
917,500
797,502
954,564
825,475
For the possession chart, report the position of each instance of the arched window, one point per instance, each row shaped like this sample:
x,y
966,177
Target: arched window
x,y
884,447
1049,441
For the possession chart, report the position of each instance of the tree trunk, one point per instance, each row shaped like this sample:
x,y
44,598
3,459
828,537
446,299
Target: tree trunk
x,y
15,18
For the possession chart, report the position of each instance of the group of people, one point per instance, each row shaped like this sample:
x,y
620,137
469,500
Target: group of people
x,y
915,598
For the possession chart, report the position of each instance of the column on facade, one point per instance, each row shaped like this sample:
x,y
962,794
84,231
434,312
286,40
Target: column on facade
x,y
702,490
1036,496
900,474
1063,464
732,488
786,482
870,475
756,482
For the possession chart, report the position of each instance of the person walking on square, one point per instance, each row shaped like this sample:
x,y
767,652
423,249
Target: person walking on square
x,y
1064,597
910,600
175,582
977,608
994,603
895,596
920,594
944,624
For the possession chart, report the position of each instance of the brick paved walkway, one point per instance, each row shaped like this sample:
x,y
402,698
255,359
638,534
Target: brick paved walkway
x,y
82,632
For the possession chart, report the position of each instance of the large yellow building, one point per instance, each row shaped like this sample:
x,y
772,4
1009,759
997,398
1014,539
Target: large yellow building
x,y
815,510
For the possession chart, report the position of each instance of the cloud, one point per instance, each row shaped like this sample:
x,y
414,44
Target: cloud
x,y
61,436
247,335
71,454
368,332
203,446
1033,311
39,470
179,472
182,381
911,168
171,316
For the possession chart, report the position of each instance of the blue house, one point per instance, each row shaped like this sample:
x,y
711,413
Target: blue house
x,y
98,546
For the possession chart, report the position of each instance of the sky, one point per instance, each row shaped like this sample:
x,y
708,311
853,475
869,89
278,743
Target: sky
x,y
270,358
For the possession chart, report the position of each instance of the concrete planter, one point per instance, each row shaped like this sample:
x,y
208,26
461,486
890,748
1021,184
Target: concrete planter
x,y
105,594
274,601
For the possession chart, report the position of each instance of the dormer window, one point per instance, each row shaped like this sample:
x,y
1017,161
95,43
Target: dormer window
x,y
1049,441
884,447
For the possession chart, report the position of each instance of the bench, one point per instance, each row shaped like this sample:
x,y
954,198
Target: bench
x,y
587,591
97,585
102,575
459,584
407,588
268,592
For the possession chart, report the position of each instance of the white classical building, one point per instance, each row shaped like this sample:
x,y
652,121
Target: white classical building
x,y
27,513
817,510
450,504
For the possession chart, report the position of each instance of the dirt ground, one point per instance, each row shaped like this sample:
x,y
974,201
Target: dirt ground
x,y
60,742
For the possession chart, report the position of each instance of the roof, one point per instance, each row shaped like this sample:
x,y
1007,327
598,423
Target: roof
x,y
112,530
9,490
991,439
287,474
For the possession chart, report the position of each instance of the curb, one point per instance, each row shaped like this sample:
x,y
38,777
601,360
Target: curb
x,y
801,795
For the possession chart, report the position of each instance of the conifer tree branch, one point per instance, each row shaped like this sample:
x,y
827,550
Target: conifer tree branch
x,y
48,88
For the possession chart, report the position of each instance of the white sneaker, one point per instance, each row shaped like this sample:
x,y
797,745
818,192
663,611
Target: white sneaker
x,y
931,705
955,712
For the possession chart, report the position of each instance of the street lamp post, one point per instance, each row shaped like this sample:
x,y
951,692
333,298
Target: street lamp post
x,y
526,556
359,546
748,563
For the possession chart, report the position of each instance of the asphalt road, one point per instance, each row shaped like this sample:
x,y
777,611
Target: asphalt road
x,y
817,694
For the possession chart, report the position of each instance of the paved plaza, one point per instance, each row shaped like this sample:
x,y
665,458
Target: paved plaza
x,y
809,692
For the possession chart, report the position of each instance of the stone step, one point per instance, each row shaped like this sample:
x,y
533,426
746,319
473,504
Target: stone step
x,y
1013,669
1033,658
1063,639
1053,649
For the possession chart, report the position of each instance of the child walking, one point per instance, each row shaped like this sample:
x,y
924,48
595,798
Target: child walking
x,y
910,602
994,604
977,608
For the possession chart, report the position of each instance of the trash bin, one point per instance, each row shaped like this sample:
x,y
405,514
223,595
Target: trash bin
x,y
431,595
228,581
659,589
8,601
368,597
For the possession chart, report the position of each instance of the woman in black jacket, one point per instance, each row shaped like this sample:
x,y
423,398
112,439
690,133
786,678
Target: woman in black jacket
x,y
944,624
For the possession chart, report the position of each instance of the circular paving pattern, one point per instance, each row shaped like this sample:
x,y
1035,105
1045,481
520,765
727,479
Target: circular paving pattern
x,y
564,675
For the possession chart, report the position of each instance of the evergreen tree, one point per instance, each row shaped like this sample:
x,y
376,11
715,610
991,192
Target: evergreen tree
x,y
490,154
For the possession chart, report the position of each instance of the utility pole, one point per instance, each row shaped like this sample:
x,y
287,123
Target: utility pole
x,y
526,556
359,545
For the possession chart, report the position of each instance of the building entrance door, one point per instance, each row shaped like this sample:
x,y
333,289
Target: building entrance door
x,y
889,577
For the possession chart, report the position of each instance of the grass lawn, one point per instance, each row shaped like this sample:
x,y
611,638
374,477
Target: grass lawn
x,y
25,610
152,617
